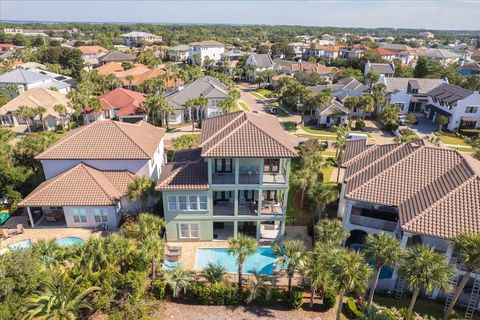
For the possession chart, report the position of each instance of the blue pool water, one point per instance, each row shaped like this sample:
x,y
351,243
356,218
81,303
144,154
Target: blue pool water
x,y
25,244
262,260
69,241
385,272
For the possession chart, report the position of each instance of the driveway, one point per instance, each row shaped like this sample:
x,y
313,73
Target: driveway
x,y
378,135
425,127
251,101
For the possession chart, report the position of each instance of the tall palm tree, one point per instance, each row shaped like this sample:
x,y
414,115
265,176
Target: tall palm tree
x,y
226,105
318,272
385,251
367,103
165,108
351,273
330,232
372,77
290,256
467,248
243,246
141,188
340,145
94,106
148,224
25,113
302,179
422,267
153,249
59,303
323,194
129,78
61,110
202,102
150,107
179,280
40,111
190,104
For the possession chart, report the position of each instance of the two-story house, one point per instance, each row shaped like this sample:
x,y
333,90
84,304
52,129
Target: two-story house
x,y
211,48
261,62
410,94
235,182
27,79
88,171
415,192
461,106
137,38
207,87
383,69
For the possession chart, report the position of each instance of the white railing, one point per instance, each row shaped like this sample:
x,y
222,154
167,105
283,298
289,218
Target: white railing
x,y
373,223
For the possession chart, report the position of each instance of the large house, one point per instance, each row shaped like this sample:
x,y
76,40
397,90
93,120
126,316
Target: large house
x,y
443,56
211,48
28,79
399,190
261,62
178,53
335,113
116,56
460,106
121,104
88,171
92,53
383,69
207,87
34,98
137,38
410,94
343,88
236,182
324,52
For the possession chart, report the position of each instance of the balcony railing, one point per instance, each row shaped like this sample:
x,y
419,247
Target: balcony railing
x,y
223,209
274,178
373,223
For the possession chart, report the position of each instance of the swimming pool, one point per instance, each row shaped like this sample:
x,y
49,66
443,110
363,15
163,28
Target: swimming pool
x,y
385,272
4,216
69,241
262,260
25,244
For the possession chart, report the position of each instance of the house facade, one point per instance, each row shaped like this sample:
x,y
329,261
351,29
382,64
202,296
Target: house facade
x,y
179,53
394,189
261,62
137,38
333,114
460,106
88,171
212,49
28,79
383,69
236,182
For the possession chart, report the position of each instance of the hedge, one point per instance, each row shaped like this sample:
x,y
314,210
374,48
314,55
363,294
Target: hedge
x,y
352,310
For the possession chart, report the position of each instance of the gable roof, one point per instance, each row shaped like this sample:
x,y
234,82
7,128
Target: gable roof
x,y
117,56
436,191
383,52
473,66
401,84
441,54
126,100
92,49
395,46
382,68
262,60
245,135
335,107
449,93
81,185
37,97
207,86
107,140
348,83
22,76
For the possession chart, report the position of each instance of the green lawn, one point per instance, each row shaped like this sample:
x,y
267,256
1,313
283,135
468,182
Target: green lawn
x,y
329,154
319,137
236,108
327,172
329,131
264,92
461,149
243,84
289,126
255,94
452,140
243,106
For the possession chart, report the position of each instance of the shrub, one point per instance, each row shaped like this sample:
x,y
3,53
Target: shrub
x,y
218,294
132,284
387,312
329,299
296,298
275,297
290,126
352,310
158,290
359,124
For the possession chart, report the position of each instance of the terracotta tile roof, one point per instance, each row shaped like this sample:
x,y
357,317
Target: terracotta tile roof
x,y
80,186
188,171
383,52
436,191
208,43
92,49
107,140
126,100
245,135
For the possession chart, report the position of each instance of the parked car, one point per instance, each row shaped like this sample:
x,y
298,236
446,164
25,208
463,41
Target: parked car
x,y
356,136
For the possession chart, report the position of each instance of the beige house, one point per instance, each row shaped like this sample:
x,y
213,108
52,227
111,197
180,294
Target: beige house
x,y
34,98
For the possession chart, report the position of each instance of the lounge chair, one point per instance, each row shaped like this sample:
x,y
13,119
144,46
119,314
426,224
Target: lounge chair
x,y
169,265
20,229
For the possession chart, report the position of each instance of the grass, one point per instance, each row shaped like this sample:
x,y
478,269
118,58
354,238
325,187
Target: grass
x,y
327,172
329,131
319,137
243,106
264,92
452,140
236,108
255,94
461,149
282,113
290,126
244,84
329,154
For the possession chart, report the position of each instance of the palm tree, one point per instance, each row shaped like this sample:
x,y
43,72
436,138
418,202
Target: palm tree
x,y
290,256
148,224
340,145
302,179
129,78
243,246
150,106
165,108
351,103
350,272
422,267
318,272
385,251
61,110
190,104
226,105
95,106
202,102
366,103
179,280
262,286
330,232
214,273
467,248
372,77
59,303
40,111
46,250
25,113
153,249
323,194
141,188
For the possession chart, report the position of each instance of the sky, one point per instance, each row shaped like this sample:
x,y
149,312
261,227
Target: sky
x,y
428,14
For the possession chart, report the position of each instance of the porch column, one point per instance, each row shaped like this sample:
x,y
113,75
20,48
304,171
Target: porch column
x,y
282,227
260,178
235,202
235,229
210,170
284,201
32,223
198,113
287,171
258,230
260,202
237,170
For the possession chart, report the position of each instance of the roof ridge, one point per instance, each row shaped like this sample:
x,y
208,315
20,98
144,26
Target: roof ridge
x,y
117,124
241,125
87,169
368,147
224,127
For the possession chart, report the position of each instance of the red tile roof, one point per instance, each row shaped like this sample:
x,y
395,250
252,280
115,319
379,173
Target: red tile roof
x,y
383,52
92,49
126,100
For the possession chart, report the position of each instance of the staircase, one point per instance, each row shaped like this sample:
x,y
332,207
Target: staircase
x,y
455,279
472,304
400,288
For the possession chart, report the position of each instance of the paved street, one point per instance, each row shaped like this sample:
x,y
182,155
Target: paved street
x,y
251,101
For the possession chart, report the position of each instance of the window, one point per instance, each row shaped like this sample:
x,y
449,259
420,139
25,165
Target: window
x,y
182,202
223,165
271,165
203,202
192,201
172,203
79,215
100,215
189,230
471,109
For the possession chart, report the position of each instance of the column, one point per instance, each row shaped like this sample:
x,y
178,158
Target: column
x,y
260,178
30,217
282,227
287,172
260,202
235,229
209,169
237,170
258,230
235,202
284,202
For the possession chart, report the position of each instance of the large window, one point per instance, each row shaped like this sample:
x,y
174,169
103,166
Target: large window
x,y
100,215
193,202
182,202
223,165
187,203
203,202
271,165
189,230
172,203
471,109
79,215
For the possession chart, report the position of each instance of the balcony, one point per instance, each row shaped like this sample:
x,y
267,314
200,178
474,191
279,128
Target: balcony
x,y
272,209
223,209
373,223
274,178
223,178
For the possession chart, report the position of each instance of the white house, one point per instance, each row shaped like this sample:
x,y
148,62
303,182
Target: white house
x,y
27,79
443,56
461,106
261,62
333,114
211,48
136,38
383,69
88,171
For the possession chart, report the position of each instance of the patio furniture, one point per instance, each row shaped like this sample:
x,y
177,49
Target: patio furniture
x,y
5,233
170,265
20,229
